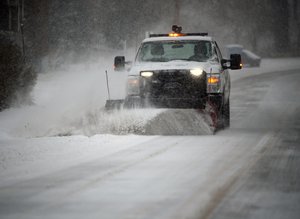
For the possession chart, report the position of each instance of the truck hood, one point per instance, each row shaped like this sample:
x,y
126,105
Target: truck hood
x,y
172,65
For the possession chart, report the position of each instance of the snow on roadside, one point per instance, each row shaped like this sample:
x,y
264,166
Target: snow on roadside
x,y
143,122
120,122
267,65
180,122
62,98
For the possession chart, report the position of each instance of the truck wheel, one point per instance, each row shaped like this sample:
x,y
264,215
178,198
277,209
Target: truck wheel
x,y
226,114
220,124
217,102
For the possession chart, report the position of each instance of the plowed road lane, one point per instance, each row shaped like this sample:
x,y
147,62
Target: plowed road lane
x,y
248,171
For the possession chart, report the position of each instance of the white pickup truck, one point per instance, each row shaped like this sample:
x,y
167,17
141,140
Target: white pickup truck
x,y
180,70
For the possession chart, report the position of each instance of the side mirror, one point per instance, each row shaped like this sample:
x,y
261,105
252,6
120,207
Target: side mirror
x,y
235,61
225,64
119,63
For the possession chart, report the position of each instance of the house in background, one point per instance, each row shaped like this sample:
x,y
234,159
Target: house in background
x,y
25,22
11,17
12,14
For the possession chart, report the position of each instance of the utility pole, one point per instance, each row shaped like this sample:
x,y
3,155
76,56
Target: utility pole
x,y
23,41
177,12
21,24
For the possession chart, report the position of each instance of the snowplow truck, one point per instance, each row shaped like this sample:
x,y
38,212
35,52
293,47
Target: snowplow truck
x,y
179,70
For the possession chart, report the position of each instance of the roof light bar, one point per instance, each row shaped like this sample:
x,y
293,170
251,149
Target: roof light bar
x,y
158,35
196,34
177,32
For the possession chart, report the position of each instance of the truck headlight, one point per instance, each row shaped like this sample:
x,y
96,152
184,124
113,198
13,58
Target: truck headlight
x,y
197,72
146,74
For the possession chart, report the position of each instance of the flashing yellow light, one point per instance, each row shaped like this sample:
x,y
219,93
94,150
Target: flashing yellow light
x,y
175,34
147,74
196,72
241,65
213,80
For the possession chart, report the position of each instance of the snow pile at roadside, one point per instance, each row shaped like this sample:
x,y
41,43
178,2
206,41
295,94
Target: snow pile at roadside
x,y
139,122
120,122
32,123
180,122
146,122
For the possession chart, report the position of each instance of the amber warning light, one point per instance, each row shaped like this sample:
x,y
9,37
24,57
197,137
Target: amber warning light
x,y
213,80
176,34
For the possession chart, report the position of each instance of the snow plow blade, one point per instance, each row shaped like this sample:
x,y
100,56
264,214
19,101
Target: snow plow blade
x,y
114,104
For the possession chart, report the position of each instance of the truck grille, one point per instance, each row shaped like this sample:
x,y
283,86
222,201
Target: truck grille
x,y
176,84
172,75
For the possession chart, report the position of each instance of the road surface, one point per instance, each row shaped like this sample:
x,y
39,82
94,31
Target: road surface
x,y
248,171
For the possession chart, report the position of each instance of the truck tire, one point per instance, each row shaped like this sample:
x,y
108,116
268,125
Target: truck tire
x,y
226,114
217,101
221,119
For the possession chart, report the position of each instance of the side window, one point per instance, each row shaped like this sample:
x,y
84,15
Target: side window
x,y
218,51
214,57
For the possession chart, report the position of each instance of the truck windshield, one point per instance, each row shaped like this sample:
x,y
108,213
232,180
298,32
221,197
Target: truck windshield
x,y
165,51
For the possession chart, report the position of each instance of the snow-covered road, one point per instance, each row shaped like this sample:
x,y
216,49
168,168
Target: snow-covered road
x,y
248,171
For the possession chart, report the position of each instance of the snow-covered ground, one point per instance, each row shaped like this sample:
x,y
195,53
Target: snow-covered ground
x,y
267,65
69,101
66,145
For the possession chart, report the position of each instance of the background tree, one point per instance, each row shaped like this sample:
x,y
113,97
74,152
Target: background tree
x,y
75,28
17,78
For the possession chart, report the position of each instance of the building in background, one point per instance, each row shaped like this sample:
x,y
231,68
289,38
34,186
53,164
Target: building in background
x,y
11,19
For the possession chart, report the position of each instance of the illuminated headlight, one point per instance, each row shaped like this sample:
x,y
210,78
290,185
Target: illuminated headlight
x,y
196,72
146,74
